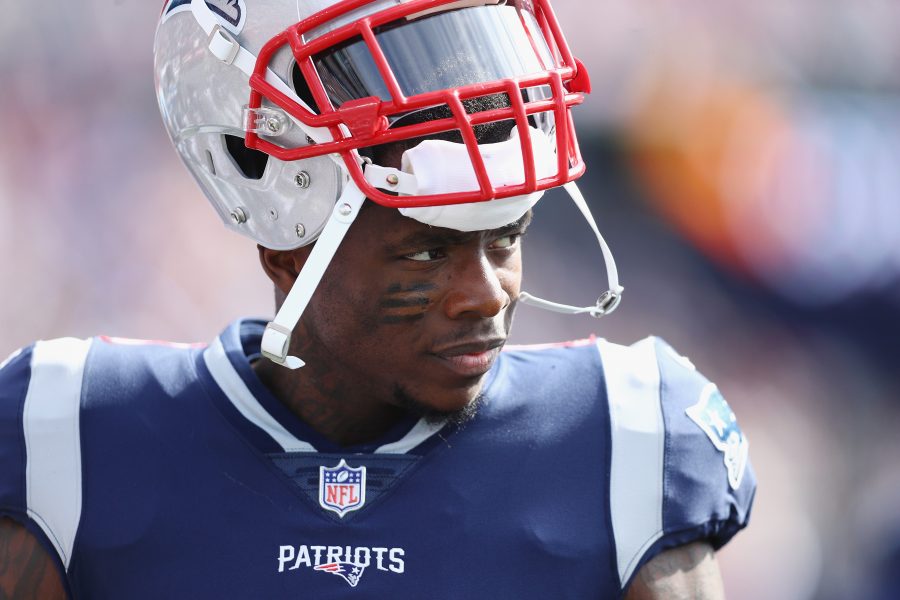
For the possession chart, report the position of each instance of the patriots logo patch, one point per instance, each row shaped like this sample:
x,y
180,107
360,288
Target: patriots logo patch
x,y
713,415
350,572
231,13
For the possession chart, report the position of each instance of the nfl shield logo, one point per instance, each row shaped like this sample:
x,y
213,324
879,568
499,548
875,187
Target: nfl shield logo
x,y
342,489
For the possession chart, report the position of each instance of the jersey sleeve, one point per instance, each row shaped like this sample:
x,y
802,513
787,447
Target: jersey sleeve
x,y
679,469
709,482
40,443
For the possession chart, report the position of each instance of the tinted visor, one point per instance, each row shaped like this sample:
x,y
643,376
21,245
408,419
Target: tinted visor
x,y
440,51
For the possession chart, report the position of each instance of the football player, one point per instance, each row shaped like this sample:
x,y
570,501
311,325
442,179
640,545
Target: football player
x,y
373,440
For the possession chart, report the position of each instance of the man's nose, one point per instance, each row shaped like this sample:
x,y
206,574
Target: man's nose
x,y
476,289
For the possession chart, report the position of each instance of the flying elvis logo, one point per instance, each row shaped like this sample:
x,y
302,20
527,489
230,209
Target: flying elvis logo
x,y
231,13
347,562
713,415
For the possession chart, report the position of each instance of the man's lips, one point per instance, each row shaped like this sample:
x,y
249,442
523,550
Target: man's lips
x,y
471,359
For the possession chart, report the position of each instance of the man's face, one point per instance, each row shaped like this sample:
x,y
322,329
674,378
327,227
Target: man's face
x,y
414,315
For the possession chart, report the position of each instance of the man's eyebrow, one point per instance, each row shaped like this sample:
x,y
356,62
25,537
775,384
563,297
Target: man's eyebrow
x,y
432,239
437,238
521,223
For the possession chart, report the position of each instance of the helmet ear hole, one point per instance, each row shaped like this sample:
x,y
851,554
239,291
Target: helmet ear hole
x,y
252,163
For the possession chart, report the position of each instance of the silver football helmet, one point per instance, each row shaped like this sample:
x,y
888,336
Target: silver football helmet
x,y
282,111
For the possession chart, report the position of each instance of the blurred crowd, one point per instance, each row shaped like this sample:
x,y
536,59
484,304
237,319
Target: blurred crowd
x,y
744,164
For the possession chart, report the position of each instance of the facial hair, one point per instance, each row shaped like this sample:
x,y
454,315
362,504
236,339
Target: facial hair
x,y
432,416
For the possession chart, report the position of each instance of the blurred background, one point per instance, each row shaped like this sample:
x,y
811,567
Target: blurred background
x,y
744,164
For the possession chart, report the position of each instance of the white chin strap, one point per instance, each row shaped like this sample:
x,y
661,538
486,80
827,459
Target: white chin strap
x,y
277,337
610,299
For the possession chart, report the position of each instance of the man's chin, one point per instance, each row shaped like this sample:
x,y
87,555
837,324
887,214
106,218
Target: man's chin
x,y
464,410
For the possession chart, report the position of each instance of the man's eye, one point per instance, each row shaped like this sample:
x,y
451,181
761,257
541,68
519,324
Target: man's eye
x,y
507,241
424,255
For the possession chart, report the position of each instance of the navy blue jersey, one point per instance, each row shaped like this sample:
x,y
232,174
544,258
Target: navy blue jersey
x,y
155,471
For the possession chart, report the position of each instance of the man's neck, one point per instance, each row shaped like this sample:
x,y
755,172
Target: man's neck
x,y
333,406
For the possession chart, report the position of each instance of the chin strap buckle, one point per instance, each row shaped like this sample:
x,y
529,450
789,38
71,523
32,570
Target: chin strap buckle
x,y
275,344
606,303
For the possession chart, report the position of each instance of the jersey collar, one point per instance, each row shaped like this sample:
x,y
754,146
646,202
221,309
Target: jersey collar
x,y
250,406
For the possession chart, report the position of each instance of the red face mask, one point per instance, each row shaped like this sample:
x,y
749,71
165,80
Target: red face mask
x,y
465,65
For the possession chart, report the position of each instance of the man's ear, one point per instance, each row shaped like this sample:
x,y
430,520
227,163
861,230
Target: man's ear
x,y
283,266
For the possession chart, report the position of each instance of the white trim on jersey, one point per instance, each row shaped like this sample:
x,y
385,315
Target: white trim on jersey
x,y
50,421
10,358
245,402
415,436
638,446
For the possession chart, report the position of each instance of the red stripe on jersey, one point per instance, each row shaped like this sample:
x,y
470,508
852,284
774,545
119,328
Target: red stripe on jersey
x,y
120,341
570,344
